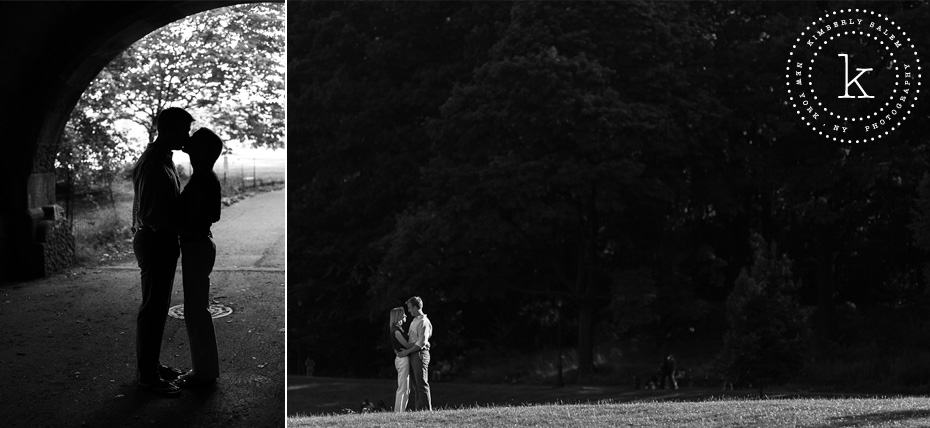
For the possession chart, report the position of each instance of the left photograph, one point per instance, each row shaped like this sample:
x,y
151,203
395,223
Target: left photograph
x,y
142,224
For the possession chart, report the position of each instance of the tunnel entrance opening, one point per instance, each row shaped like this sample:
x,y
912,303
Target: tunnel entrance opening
x,y
80,195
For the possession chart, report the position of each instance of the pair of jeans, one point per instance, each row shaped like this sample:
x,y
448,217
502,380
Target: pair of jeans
x,y
197,259
157,255
419,375
402,396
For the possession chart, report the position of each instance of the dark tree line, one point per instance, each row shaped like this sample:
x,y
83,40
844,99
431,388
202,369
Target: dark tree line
x,y
607,167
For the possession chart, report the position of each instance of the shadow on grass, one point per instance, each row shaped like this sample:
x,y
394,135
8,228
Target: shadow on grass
x,y
871,419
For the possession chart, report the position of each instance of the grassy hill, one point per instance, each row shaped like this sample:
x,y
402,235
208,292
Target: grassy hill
x,y
806,412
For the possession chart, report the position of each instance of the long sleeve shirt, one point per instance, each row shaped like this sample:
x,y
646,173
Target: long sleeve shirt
x,y
156,190
420,331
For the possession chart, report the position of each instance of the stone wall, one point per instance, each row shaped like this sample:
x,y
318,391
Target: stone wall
x,y
40,189
53,245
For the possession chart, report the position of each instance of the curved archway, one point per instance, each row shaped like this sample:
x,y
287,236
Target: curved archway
x,y
53,52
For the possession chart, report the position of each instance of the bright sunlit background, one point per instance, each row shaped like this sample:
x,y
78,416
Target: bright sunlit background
x,y
226,67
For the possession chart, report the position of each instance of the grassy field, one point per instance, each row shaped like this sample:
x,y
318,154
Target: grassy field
x,y
101,227
882,412
335,402
314,395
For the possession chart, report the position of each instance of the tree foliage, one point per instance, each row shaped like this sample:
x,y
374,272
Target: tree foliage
x,y
600,163
92,153
369,75
225,65
767,330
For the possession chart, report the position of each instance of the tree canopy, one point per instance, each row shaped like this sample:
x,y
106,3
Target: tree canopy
x,y
226,66
607,164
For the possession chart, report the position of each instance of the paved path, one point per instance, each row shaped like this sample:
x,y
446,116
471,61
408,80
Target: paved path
x,y
249,236
67,346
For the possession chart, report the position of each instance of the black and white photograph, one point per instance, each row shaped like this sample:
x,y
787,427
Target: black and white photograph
x,y
327,213
619,213
142,230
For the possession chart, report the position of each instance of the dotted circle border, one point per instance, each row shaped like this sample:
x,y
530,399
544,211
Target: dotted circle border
x,y
914,95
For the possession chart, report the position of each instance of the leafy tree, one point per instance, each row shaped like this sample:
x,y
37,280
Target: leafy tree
x,y
369,75
544,180
765,340
92,153
921,223
614,157
226,65
840,211
530,170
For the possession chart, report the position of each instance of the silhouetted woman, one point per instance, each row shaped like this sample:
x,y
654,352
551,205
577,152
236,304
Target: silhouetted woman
x,y
201,208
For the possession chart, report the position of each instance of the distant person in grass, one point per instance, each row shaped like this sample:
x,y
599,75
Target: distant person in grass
x,y
402,364
200,203
669,372
419,334
155,224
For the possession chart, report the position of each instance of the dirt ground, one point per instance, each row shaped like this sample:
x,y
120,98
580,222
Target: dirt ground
x,y
68,342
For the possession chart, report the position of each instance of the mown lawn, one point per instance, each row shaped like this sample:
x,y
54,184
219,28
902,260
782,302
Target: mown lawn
x,y
807,412
316,395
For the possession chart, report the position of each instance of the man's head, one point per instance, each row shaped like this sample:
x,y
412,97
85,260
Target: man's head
x,y
174,125
204,147
414,305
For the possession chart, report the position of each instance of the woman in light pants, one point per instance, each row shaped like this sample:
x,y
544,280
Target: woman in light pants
x,y
402,364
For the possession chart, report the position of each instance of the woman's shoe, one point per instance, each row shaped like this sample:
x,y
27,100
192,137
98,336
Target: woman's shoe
x,y
160,387
190,380
169,373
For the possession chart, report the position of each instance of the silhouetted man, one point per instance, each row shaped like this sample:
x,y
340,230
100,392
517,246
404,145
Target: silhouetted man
x,y
155,213
419,334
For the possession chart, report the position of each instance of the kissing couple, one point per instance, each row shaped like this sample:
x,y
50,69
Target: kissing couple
x,y
168,223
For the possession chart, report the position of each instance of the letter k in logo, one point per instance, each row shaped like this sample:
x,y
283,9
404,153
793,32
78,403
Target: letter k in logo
x,y
855,80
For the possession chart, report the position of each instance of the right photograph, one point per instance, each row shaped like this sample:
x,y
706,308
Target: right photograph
x,y
635,213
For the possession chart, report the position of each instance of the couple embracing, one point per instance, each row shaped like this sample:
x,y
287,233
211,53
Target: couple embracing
x,y
411,350
168,223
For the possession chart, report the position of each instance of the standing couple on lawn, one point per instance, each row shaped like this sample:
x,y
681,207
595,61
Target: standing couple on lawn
x,y
411,350
168,223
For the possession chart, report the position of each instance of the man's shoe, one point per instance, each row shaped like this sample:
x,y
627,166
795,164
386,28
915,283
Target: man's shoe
x,y
190,380
169,373
161,387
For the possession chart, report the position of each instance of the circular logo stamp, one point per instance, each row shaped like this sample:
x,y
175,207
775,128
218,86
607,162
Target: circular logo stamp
x,y
853,76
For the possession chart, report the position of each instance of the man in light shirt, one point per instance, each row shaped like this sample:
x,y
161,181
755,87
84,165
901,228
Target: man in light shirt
x,y
419,334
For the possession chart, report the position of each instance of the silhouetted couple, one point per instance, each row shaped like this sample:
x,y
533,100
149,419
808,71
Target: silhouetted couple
x,y
411,355
168,222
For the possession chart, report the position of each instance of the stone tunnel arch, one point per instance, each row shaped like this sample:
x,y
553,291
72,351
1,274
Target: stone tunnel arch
x,y
51,53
